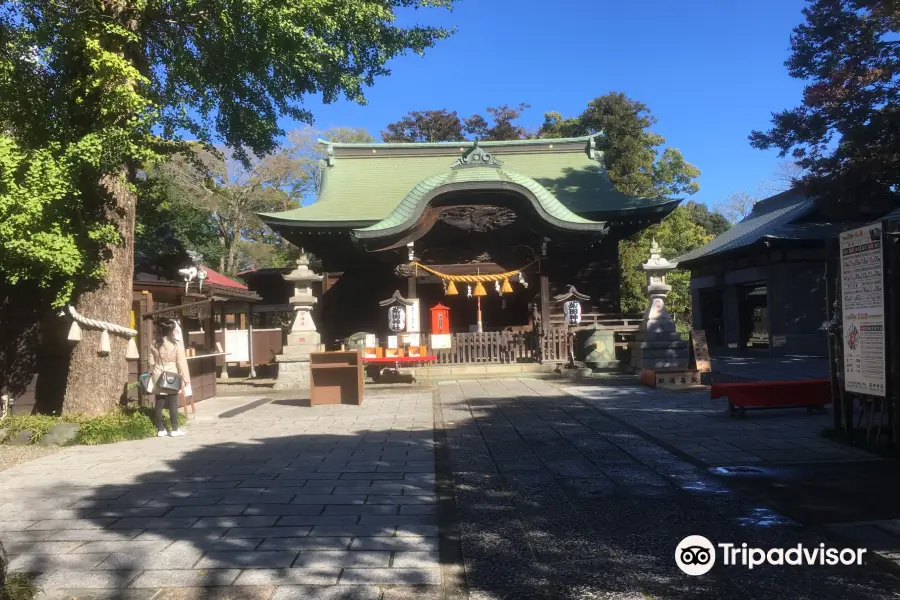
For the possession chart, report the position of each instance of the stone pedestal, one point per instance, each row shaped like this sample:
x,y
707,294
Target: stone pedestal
x,y
657,345
293,362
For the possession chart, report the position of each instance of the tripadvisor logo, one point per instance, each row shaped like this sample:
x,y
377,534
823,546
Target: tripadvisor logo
x,y
696,555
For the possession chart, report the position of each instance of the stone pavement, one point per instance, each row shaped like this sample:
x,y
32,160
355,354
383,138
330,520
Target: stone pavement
x,y
281,501
487,490
557,500
881,537
702,430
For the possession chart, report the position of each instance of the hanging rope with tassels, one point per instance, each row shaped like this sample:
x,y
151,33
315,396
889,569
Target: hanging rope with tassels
x,y
472,278
105,329
478,280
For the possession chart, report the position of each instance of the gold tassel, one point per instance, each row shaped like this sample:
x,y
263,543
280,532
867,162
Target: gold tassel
x,y
479,290
131,353
506,288
74,332
104,342
451,290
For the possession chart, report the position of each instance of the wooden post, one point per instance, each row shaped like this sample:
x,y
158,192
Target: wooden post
x,y
479,327
545,302
891,253
250,339
224,374
831,275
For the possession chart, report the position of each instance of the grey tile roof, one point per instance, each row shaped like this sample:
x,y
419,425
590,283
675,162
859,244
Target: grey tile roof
x,y
768,217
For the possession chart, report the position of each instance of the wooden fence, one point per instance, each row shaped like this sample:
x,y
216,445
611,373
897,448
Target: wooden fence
x,y
502,347
623,326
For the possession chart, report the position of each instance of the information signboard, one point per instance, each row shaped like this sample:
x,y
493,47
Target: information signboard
x,y
862,310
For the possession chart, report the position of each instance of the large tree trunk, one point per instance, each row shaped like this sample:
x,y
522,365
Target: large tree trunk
x,y
232,243
96,383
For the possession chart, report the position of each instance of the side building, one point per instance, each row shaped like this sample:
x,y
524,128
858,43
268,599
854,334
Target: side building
x,y
760,286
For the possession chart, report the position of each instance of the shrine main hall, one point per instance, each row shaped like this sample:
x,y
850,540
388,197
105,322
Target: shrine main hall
x,y
537,215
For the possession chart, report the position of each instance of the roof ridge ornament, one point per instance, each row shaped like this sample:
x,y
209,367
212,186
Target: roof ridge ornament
x,y
396,298
476,156
329,151
571,293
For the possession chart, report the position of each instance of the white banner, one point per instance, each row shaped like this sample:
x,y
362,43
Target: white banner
x,y
412,316
236,344
862,310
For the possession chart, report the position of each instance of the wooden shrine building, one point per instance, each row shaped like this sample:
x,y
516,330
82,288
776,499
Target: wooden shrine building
x,y
546,207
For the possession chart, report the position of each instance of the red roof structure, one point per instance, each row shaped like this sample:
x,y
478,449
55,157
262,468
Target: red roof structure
x,y
219,279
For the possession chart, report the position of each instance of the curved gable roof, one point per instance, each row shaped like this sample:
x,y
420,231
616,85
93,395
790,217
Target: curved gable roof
x,y
488,178
363,184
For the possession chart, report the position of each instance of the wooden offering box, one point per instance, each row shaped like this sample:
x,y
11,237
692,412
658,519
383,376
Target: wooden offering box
x,y
336,378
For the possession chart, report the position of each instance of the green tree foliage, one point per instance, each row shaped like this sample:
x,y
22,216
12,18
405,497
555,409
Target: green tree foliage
x,y
677,234
39,237
501,126
90,91
714,222
637,167
86,87
630,149
169,226
846,131
445,126
187,206
232,193
425,126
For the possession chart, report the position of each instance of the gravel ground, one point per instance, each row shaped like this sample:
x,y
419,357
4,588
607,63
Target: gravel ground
x,y
13,455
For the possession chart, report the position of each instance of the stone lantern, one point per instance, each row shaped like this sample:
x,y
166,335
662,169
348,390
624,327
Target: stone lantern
x,y
303,338
657,344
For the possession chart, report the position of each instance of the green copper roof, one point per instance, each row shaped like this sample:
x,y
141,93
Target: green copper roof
x,y
365,184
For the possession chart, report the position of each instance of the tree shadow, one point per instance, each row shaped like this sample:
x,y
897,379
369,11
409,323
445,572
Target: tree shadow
x,y
532,492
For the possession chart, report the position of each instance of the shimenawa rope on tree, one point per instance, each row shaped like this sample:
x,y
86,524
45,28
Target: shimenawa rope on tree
x,y
105,329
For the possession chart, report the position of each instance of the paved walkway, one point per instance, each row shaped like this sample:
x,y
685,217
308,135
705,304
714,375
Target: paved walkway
x,y
692,424
522,491
556,500
282,501
881,537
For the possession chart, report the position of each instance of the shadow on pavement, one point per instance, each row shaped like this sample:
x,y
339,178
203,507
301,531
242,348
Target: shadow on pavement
x,y
545,497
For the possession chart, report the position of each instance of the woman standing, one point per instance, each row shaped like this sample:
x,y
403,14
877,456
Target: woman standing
x,y
167,360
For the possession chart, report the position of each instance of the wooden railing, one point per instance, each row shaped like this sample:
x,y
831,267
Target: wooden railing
x,y
623,326
601,321
502,347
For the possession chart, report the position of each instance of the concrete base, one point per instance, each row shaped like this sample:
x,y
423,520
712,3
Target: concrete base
x,y
659,355
604,365
293,372
671,379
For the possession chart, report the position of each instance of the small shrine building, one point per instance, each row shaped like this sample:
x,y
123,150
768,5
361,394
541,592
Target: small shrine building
x,y
537,215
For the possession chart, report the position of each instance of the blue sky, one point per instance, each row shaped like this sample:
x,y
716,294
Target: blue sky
x,y
710,70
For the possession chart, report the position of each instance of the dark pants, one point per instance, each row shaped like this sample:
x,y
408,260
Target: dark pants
x,y
161,402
